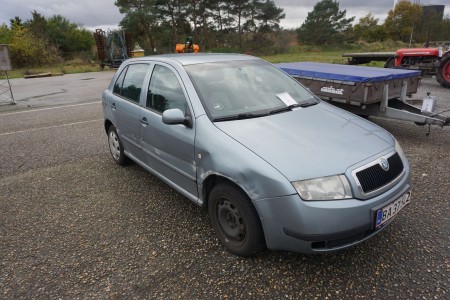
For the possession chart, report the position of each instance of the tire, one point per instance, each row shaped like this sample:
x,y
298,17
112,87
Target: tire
x,y
235,220
115,147
390,63
443,71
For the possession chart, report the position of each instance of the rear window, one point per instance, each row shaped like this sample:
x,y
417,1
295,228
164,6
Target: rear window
x,y
129,83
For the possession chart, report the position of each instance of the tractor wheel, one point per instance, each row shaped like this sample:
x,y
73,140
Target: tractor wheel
x,y
443,71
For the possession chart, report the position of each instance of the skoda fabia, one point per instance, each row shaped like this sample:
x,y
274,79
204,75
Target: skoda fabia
x,y
273,165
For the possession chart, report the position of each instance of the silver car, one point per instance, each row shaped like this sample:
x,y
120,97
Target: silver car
x,y
273,165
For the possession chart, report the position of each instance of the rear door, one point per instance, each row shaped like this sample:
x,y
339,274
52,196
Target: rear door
x,y
168,149
125,107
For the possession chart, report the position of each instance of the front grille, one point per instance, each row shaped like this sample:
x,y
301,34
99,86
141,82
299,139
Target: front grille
x,y
374,177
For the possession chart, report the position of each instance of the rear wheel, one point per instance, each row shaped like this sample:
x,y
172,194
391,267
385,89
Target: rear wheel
x,y
235,220
115,147
443,71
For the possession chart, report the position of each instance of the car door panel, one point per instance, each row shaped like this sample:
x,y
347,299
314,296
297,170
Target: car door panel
x,y
168,149
126,118
125,106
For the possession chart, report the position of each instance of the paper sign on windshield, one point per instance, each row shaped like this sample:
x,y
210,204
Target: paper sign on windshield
x,y
287,99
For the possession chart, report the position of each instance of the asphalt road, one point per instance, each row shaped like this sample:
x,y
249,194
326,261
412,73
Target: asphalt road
x,y
73,224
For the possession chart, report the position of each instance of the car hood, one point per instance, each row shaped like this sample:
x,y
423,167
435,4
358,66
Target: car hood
x,y
315,141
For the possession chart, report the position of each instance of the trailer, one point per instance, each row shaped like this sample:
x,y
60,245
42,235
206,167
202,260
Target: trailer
x,y
366,91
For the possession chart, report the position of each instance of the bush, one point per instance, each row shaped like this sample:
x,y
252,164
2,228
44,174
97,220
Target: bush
x,y
27,50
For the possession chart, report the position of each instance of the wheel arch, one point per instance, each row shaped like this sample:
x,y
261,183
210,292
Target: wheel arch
x,y
107,124
258,241
213,180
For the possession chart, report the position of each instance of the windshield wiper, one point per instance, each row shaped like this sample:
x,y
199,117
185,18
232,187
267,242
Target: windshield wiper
x,y
239,117
291,107
257,115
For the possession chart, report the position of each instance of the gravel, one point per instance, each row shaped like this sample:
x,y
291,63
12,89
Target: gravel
x,y
73,224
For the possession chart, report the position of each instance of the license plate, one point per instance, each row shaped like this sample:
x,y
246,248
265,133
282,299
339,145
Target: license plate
x,y
391,210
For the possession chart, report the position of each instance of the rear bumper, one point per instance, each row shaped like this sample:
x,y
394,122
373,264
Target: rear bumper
x,y
322,226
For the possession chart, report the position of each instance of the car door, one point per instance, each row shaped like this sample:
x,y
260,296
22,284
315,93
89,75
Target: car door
x,y
125,105
168,149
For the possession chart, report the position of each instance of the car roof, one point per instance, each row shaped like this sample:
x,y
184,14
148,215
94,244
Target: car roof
x,y
194,58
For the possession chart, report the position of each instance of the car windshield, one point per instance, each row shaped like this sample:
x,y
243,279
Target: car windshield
x,y
246,89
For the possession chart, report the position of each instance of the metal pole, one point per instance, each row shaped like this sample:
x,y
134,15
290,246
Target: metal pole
x,y
10,90
411,37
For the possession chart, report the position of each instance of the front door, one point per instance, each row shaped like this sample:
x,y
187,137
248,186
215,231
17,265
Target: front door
x,y
168,149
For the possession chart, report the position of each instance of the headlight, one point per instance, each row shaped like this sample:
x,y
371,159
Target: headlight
x,y
324,188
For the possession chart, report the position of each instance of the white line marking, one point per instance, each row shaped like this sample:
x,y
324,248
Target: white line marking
x,y
49,127
48,108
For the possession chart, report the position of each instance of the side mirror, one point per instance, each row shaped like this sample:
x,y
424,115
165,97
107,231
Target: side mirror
x,y
175,116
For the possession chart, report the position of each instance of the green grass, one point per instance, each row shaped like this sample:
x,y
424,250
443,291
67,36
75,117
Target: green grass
x,y
333,53
326,57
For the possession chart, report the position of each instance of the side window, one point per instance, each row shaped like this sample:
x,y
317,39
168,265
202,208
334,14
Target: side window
x,y
164,91
133,81
119,82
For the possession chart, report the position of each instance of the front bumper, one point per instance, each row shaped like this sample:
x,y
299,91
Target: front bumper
x,y
321,226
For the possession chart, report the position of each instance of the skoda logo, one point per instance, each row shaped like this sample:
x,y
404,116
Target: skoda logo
x,y
384,164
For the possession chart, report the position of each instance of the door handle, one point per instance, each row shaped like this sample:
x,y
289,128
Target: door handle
x,y
144,121
113,106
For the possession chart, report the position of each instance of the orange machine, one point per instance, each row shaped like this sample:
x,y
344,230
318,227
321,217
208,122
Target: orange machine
x,y
187,47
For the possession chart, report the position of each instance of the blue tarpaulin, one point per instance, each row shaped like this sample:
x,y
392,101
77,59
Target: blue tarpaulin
x,y
344,72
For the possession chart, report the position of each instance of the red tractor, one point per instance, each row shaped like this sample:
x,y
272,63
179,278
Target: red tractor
x,y
431,61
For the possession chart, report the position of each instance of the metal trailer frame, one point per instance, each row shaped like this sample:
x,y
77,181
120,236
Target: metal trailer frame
x,y
367,57
393,91
5,87
113,47
5,66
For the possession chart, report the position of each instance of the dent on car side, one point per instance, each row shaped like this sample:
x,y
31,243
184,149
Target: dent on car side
x,y
263,156
224,156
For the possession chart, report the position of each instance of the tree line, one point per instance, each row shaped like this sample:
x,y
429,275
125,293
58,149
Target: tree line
x,y
241,25
408,22
43,41
250,26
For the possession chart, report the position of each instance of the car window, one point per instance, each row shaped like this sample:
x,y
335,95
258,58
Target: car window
x,y
130,82
164,91
119,82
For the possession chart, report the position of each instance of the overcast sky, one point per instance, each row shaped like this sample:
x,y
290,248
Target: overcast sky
x,y
104,14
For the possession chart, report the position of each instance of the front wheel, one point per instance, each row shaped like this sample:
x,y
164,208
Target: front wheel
x,y
115,146
443,71
235,220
